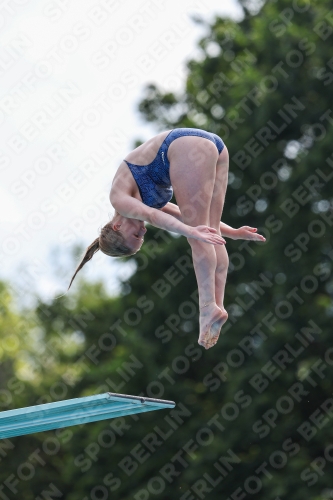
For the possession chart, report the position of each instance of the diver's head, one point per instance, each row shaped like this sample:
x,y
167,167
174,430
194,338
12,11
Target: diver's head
x,y
132,231
120,237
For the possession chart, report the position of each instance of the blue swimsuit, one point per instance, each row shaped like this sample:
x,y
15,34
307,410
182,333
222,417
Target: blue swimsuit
x,y
153,180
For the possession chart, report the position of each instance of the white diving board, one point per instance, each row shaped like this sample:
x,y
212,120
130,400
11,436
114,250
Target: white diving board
x,y
76,411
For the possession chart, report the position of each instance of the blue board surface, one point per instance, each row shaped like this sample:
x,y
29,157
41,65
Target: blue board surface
x,y
75,412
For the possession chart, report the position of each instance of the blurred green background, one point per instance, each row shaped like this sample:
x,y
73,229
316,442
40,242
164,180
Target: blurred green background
x,y
253,414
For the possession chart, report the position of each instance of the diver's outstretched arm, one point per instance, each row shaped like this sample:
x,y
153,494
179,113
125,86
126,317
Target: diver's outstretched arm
x,y
242,233
130,207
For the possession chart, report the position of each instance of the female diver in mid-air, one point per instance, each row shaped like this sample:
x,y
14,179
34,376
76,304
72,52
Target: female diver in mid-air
x,y
192,164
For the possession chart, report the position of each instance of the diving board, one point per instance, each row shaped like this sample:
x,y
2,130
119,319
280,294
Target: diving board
x,y
76,411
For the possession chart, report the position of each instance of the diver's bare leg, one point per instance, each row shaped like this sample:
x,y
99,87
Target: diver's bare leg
x,y
215,214
193,169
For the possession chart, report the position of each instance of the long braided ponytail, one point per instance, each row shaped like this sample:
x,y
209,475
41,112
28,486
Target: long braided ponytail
x,y
90,252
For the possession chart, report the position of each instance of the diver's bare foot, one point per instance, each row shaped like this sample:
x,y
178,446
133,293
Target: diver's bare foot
x,y
225,317
211,321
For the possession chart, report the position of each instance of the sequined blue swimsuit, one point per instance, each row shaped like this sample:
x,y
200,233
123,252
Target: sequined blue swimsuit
x,y
153,180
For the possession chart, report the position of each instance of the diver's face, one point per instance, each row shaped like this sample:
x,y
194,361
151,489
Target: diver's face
x,y
133,231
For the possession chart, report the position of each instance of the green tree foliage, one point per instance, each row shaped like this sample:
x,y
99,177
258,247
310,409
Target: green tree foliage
x,y
253,414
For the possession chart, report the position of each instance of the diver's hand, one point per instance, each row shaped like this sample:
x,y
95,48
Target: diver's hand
x,y
206,234
248,233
